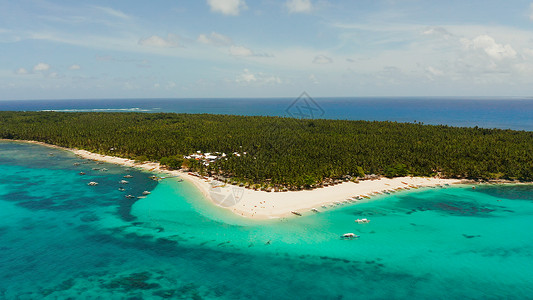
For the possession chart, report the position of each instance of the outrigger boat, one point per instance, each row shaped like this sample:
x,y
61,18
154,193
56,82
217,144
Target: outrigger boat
x,y
349,236
362,221
296,213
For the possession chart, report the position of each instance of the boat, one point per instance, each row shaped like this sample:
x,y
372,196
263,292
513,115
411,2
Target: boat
x,y
296,213
349,236
121,189
81,173
314,210
124,182
129,196
104,170
76,164
128,176
92,183
96,169
362,221
323,206
146,193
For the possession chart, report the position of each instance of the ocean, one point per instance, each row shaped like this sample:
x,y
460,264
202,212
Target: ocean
x,y
63,239
503,113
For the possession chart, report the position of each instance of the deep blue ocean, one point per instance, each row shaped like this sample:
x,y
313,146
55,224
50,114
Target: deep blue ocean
x,y
504,113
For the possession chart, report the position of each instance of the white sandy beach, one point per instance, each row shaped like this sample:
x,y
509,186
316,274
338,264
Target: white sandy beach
x,y
262,205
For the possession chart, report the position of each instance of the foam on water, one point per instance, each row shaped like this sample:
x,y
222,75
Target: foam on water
x,y
61,238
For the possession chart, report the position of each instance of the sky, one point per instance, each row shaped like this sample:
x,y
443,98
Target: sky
x,y
264,48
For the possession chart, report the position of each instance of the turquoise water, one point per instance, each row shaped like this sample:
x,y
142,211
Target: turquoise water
x,y
61,238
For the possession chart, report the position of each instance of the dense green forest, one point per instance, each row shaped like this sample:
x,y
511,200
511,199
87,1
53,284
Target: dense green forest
x,y
288,152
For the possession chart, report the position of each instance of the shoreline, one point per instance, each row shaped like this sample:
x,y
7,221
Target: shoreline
x,y
270,205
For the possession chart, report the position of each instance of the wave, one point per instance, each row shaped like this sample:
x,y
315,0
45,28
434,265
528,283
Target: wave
x,y
132,109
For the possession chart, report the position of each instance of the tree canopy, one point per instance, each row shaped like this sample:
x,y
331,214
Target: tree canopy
x,y
285,151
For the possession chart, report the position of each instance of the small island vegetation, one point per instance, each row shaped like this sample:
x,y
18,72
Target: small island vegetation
x,y
284,153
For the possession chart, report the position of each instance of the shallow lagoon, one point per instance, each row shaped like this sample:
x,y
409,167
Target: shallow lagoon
x,y
61,238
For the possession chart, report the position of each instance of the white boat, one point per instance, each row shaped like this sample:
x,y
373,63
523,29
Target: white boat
x,y
128,176
92,183
146,193
362,221
124,182
349,236
323,206
129,196
314,210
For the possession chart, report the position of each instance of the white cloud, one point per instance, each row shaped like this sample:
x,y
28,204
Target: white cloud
x,y
112,12
227,7
322,59
215,39
438,32
313,79
156,41
299,6
434,71
41,67
22,71
247,77
240,51
74,67
490,47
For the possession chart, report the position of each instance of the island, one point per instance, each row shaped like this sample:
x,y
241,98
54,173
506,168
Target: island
x,y
273,166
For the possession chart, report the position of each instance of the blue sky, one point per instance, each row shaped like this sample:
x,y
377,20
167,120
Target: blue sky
x,y
264,48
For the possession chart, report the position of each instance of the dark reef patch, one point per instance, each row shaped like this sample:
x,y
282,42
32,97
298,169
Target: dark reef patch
x,y
131,282
454,207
